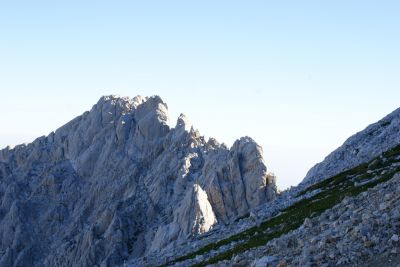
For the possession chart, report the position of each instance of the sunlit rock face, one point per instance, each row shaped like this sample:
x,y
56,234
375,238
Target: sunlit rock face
x,y
119,182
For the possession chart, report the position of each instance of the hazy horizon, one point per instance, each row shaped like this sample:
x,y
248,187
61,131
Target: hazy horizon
x,y
298,78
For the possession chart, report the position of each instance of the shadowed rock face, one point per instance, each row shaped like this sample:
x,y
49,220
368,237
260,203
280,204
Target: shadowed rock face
x,y
118,182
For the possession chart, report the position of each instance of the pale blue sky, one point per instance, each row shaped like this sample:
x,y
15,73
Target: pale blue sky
x,y
297,76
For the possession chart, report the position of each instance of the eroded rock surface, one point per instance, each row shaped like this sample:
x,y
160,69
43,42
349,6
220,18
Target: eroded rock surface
x,y
118,182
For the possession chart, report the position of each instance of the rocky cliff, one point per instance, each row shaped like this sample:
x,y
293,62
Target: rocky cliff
x,y
119,182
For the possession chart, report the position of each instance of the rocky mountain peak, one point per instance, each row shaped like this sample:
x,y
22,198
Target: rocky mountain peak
x,y
118,182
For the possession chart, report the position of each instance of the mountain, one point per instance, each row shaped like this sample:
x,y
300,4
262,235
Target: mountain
x,y
119,183
118,186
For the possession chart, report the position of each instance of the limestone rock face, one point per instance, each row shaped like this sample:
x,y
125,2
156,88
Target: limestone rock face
x,y
359,148
118,182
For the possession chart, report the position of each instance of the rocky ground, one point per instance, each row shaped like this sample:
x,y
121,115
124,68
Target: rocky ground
x,y
352,233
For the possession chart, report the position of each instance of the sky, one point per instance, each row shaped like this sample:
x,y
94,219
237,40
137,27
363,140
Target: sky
x,y
299,77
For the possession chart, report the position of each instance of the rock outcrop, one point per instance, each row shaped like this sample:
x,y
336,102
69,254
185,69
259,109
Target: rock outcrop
x,y
118,182
361,147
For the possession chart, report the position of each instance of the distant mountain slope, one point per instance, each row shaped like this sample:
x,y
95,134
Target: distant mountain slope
x,y
119,182
361,147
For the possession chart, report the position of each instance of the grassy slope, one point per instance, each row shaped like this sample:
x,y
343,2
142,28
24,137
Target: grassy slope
x,y
333,190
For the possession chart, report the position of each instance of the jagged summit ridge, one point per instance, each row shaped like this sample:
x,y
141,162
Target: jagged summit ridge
x,y
119,182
